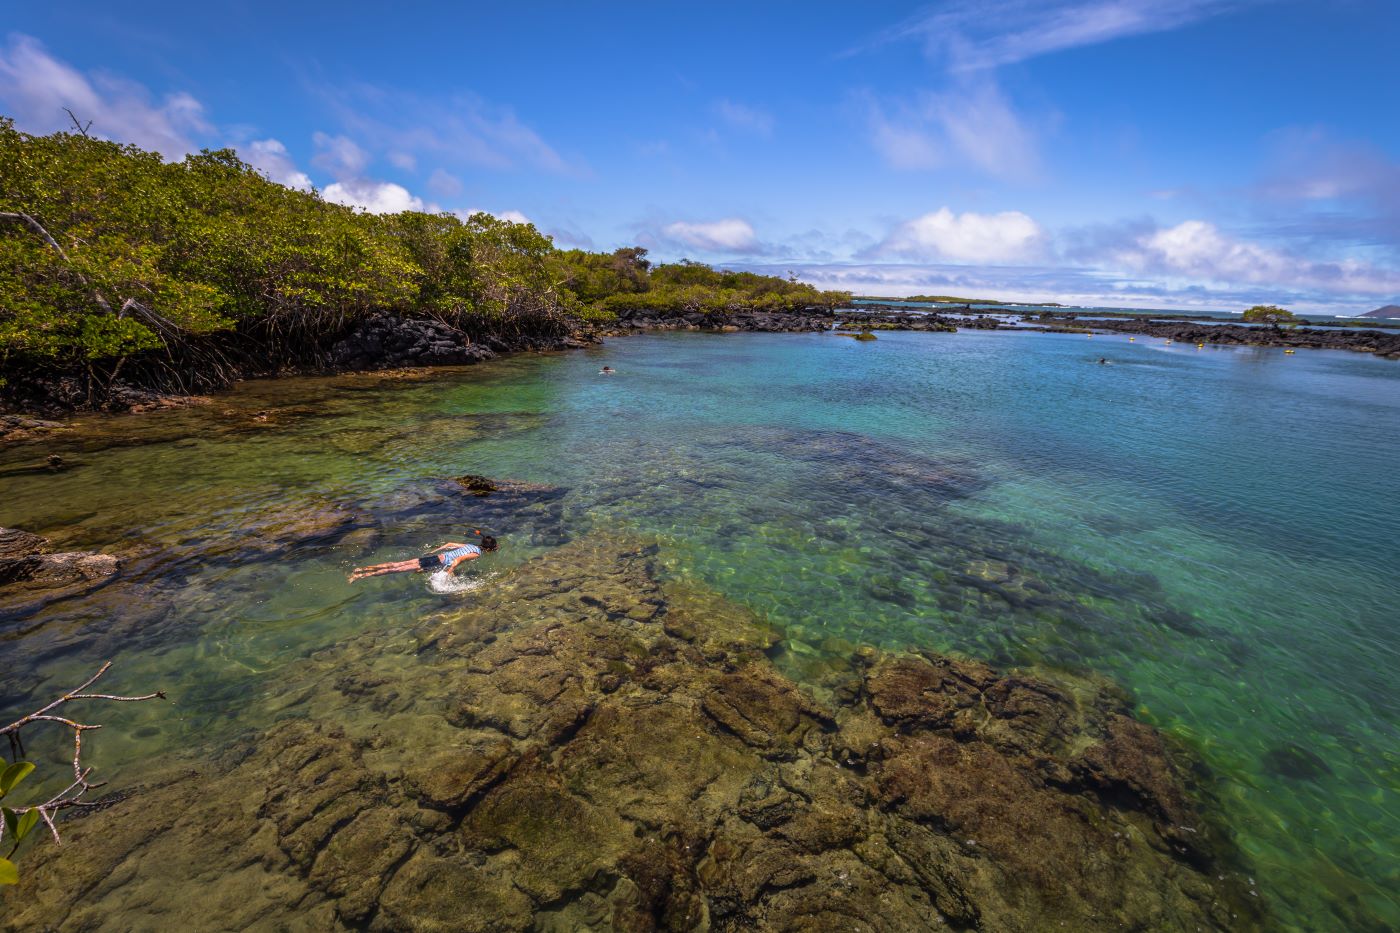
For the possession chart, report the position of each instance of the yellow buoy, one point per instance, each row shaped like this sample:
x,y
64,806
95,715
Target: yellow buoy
x,y
1200,346
1131,339
1287,351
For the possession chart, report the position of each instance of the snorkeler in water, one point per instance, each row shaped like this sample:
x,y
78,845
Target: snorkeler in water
x,y
447,556
606,371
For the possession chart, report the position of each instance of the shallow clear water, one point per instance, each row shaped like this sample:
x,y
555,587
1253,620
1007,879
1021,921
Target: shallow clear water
x,y
1215,529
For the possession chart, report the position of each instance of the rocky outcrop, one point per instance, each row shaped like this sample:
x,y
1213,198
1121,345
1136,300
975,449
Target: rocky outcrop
x,y
1384,343
890,321
23,428
387,340
773,322
587,747
32,575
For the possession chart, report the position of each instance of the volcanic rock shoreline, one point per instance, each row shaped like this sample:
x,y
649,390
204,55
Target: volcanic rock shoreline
x,y
386,341
590,747
380,342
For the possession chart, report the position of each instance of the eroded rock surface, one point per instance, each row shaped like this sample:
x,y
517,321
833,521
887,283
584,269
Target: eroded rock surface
x,y
584,746
33,575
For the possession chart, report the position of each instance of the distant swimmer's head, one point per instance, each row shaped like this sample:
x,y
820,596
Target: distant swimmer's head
x,y
488,543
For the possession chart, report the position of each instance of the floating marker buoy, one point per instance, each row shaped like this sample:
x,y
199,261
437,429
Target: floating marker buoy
x,y
1131,339
1287,351
1200,346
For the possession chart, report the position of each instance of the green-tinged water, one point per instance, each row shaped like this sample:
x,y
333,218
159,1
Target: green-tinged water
x,y
1216,529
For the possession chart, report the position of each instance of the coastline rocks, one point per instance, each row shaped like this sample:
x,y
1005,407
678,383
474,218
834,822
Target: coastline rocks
x,y
932,323
584,746
1380,342
386,340
775,322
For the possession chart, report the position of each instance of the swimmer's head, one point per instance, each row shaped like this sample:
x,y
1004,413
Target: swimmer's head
x,y
488,543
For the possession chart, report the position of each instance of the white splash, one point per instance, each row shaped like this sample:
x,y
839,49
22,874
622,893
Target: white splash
x,y
445,583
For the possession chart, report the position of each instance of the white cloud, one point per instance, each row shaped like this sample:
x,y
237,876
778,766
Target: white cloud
x,y
403,160
730,234
444,184
514,217
35,88
903,143
1007,237
377,197
463,129
972,123
970,118
744,117
983,34
271,158
339,155
1196,250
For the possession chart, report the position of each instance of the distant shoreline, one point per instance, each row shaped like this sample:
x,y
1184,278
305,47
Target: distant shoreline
x,y
975,305
23,423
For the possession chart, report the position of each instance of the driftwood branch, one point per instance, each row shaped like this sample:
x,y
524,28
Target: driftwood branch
x,y
72,795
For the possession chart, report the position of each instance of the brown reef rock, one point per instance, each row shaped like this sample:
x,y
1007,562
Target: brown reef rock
x,y
583,746
32,575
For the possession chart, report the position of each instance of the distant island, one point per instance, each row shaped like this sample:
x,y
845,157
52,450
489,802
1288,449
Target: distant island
x,y
1389,311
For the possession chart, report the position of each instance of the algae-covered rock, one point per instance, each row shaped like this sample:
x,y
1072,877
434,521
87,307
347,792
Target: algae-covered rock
x,y
586,747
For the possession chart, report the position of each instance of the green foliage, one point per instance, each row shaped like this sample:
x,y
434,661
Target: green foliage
x,y
17,824
1270,314
12,775
147,255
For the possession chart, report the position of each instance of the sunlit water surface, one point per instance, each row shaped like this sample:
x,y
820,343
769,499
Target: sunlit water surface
x,y
1216,529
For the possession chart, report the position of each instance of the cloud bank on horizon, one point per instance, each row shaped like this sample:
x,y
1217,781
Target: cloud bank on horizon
x,y
1156,153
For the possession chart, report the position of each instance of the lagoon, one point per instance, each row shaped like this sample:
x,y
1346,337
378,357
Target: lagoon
x,y
1213,529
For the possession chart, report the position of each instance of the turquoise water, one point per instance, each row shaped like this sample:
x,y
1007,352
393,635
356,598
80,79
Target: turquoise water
x,y
1216,529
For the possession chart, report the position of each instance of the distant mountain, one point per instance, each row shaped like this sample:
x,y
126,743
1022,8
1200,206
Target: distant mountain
x,y
1387,311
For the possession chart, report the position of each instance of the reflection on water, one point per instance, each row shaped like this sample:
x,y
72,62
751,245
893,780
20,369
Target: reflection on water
x,y
1212,528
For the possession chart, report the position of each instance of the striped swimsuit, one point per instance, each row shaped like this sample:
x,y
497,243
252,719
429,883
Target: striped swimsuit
x,y
447,557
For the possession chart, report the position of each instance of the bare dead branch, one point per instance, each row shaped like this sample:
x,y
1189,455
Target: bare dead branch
x,y
72,795
78,125
37,228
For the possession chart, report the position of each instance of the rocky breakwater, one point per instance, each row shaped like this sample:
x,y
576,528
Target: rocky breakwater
x,y
1380,342
776,322
585,746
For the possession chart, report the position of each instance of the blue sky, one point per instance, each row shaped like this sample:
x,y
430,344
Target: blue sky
x,y
1158,153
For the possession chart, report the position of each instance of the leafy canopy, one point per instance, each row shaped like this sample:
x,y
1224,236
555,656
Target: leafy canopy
x,y
107,250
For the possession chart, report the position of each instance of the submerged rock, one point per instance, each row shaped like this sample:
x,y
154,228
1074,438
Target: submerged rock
x,y
15,428
584,746
32,576
1294,761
